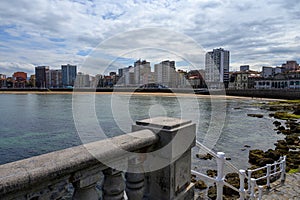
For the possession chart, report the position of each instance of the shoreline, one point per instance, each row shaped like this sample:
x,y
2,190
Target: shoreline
x,y
141,94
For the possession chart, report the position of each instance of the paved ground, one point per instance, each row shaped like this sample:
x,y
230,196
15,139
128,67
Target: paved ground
x,y
290,190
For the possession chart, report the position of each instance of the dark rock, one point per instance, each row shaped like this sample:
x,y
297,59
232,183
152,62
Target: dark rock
x,y
277,123
200,185
212,192
247,146
211,173
263,161
228,158
255,155
243,149
296,112
274,155
281,128
204,156
256,115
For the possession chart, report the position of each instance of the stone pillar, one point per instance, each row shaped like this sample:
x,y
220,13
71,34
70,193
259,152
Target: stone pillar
x,y
171,178
113,186
135,182
85,186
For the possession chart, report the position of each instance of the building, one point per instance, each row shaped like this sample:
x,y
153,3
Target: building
x,y
82,80
290,80
165,74
196,78
19,79
69,73
217,68
126,76
31,82
54,78
141,71
243,79
269,72
3,81
244,68
40,76
290,65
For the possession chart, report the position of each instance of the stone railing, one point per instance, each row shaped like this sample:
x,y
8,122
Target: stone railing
x,y
77,171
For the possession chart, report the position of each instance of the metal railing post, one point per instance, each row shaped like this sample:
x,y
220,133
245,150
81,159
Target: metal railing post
x,y
220,176
242,184
268,176
260,190
252,194
283,163
249,181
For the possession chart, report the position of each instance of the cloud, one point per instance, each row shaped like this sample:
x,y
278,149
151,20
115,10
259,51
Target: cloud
x,y
54,32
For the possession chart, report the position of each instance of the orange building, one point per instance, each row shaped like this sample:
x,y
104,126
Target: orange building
x,y
19,79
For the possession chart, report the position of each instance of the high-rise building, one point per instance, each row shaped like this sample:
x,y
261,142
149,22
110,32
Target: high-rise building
x,y
142,69
69,73
40,76
2,81
54,78
217,68
165,73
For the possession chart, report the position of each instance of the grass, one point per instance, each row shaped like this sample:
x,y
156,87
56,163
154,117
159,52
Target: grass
x,y
292,171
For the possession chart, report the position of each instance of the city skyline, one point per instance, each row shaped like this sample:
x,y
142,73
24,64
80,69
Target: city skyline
x,y
39,33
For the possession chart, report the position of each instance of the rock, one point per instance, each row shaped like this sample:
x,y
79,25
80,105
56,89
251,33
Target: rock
x,y
281,128
204,156
211,173
200,185
212,192
263,161
227,158
247,146
296,112
255,155
256,115
277,123
243,149
274,155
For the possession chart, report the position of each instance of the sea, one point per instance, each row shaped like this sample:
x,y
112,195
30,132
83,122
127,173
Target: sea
x,y
34,124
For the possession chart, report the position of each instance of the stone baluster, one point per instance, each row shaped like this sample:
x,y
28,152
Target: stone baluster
x,y
113,186
135,182
85,184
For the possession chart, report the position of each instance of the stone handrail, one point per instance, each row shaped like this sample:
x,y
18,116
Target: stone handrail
x,y
49,176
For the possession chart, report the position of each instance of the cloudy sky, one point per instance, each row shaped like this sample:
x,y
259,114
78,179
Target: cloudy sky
x,y
93,34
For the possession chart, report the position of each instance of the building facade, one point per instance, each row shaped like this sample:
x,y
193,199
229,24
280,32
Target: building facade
x,y
165,74
82,80
217,68
54,78
40,76
141,71
19,79
69,73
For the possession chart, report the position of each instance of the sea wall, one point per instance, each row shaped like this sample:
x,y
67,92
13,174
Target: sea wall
x,y
266,93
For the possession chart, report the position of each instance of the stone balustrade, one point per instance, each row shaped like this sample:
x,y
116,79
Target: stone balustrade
x,y
78,172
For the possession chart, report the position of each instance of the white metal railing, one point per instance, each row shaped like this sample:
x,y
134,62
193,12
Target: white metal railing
x,y
275,169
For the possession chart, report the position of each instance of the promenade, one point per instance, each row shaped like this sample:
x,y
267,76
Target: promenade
x,y
289,191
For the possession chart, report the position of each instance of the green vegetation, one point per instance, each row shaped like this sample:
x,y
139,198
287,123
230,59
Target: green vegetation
x,y
285,115
292,171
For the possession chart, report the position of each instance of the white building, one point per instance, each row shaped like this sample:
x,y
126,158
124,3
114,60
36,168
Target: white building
x,y
141,71
217,68
165,73
82,80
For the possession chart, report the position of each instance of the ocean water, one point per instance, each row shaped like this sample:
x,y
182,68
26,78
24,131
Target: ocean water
x,y
34,124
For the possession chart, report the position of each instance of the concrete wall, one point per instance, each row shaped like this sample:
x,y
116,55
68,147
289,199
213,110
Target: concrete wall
x,y
265,93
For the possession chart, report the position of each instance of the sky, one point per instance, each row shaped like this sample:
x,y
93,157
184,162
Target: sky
x,y
104,35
